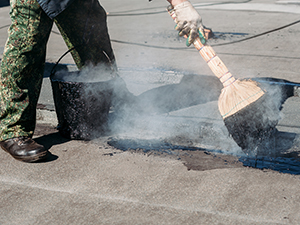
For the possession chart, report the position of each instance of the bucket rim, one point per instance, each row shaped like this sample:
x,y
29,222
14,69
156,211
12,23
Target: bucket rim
x,y
65,76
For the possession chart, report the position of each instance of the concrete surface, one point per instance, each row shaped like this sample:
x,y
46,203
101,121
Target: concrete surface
x,y
95,182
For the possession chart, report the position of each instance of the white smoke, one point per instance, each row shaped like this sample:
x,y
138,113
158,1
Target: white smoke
x,y
168,106
175,108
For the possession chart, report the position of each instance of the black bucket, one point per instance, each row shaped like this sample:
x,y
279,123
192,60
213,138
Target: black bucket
x,y
82,108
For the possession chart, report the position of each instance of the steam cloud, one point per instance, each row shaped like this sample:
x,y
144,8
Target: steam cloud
x,y
170,107
186,114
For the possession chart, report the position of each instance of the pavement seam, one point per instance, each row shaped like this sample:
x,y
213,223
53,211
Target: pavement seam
x,y
127,200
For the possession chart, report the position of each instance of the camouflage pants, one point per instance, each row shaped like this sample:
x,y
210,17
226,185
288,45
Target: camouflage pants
x,y
82,25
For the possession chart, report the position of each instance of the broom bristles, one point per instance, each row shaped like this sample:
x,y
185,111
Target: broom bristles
x,y
237,96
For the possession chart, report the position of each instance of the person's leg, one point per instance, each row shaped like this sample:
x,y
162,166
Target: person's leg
x,y
22,69
83,26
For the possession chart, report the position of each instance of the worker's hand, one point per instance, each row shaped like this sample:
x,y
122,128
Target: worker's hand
x,y
189,22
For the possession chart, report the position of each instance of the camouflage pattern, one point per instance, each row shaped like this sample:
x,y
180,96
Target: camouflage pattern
x,y
83,27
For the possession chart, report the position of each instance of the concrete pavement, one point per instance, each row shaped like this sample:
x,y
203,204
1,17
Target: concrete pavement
x,y
101,182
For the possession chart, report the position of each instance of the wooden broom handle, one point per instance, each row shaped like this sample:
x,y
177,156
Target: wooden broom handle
x,y
210,57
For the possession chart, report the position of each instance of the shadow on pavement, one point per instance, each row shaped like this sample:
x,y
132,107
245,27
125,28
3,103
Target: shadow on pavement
x,y
192,90
51,139
52,66
4,3
49,158
48,137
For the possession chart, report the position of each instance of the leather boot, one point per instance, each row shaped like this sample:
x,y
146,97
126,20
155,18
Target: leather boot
x,y
24,149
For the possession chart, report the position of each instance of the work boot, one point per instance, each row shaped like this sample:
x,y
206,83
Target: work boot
x,y
24,149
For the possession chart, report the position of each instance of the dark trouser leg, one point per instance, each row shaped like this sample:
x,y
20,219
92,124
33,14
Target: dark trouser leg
x,y
83,26
22,68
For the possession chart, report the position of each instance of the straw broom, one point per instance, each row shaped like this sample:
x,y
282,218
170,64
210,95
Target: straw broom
x,y
240,100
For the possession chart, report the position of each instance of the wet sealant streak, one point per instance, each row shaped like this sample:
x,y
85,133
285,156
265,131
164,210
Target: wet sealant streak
x,y
280,164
